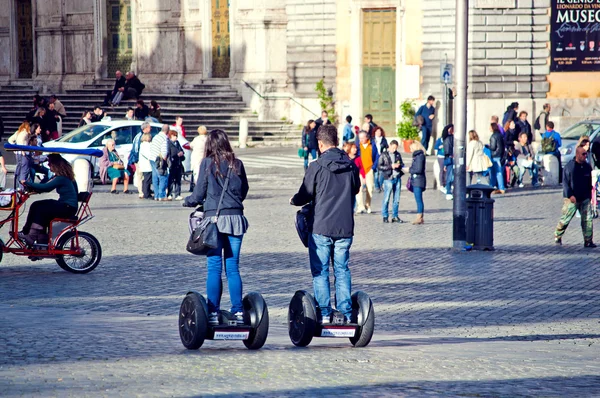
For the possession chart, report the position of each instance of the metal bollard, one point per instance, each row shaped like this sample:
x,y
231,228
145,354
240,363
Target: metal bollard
x,y
243,135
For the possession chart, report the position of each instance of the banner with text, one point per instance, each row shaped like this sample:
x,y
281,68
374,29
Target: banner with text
x,y
575,35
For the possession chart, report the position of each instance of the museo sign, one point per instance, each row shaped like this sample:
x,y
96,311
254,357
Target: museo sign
x,y
575,35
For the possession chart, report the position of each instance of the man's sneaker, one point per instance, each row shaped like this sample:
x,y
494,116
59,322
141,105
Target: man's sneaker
x,y
213,319
385,220
558,241
326,320
443,190
396,219
369,210
239,318
521,185
449,197
589,245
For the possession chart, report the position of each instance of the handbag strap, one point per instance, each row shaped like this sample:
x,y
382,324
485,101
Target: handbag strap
x,y
225,185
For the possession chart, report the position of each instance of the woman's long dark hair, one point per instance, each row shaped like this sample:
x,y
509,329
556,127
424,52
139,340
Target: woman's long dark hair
x,y
218,149
308,125
61,166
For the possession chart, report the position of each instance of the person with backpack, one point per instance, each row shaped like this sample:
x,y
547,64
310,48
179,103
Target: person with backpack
x,y
331,184
551,143
541,120
577,193
390,168
427,111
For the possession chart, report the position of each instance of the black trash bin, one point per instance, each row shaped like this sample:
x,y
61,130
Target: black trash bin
x,y
480,217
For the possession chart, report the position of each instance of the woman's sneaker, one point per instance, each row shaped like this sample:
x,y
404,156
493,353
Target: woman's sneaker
x,y
213,319
239,318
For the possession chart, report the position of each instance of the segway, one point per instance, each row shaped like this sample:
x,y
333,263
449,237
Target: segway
x,y
304,320
194,327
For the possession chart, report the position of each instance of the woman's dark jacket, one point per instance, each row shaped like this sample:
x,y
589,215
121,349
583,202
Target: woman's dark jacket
x,y
449,146
497,145
175,161
155,113
309,138
209,187
417,170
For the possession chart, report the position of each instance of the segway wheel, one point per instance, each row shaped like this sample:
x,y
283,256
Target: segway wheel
x,y
364,315
193,321
302,319
257,315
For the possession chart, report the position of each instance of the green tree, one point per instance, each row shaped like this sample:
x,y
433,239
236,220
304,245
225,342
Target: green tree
x,y
326,101
406,130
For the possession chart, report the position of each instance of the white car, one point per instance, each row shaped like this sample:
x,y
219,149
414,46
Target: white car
x,y
95,135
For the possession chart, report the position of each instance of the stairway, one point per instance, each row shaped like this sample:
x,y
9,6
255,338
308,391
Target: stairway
x,y
214,104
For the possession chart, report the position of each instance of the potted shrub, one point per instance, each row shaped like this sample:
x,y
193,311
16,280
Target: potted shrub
x,y
406,131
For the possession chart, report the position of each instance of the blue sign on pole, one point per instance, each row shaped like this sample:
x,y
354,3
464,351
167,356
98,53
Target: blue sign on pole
x,y
446,73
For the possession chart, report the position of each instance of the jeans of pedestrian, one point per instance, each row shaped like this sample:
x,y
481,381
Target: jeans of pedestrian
x,y
159,182
378,180
425,136
587,218
391,189
313,154
418,192
321,250
23,169
449,178
533,170
228,250
175,175
497,174
146,183
38,168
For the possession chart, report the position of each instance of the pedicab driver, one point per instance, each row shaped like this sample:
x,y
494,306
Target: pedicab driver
x,y
42,212
331,183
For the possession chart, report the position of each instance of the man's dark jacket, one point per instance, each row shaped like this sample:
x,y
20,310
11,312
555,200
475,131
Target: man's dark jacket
x,y
497,145
118,84
577,181
136,84
331,183
525,127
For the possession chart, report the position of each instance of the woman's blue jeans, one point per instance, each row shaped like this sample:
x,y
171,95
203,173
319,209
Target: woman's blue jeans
x,y
449,178
229,250
313,154
418,192
497,174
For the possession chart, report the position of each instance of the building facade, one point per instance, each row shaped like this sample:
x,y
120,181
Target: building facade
x,y
371,54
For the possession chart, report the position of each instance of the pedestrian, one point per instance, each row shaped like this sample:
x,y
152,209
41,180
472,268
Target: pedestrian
x,y
323,120
143,165
369,120
111,95
477,161
511,133
23,160
58,106
439,149
381,144
141,110
495,119
37,158
134,157
130,114
52,121
542,119
390,169
367,150
155,112
133,87
86,118
524,126
198,145
98,114
178,125
352,151
220,170
348,130
41,119
330,184
577,193
113,169
497,178
158,161
448,137
175,159
525,161
427,111
418,179
309,141
551,143
511,113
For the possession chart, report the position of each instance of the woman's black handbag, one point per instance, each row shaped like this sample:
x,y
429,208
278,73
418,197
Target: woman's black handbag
x,y
305,218
204,232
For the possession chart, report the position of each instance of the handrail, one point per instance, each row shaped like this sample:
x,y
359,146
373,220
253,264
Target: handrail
x,y
263,97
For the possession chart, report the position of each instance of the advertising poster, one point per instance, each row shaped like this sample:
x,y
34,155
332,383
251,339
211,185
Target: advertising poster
x,y
575,36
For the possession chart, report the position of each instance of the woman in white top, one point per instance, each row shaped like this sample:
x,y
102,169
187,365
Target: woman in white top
x,y
144,164
197,146
477,160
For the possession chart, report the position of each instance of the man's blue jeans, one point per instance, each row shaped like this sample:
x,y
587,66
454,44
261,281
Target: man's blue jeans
x,y
229,248
378,179
311,152
159,183
321,250
425,136
533,170
391,188
497,174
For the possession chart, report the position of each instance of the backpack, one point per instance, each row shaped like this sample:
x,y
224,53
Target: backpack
x,y
536,124
548,144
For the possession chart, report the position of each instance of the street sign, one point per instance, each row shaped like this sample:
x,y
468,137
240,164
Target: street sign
x,y
446,73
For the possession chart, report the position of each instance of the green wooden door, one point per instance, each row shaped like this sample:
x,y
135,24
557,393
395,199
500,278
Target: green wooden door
x,y
379,67
25,39
120,51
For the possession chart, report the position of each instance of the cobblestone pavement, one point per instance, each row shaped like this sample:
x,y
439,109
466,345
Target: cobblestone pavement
x,y
520,321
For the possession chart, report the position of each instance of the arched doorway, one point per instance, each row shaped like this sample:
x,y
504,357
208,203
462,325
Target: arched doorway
x,y
221,52
25,39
